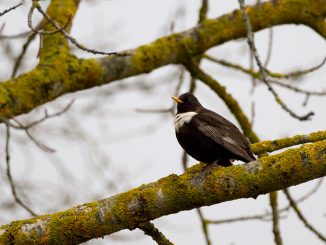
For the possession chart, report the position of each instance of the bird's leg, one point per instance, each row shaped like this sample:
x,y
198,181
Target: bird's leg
x,y
221,162
209,166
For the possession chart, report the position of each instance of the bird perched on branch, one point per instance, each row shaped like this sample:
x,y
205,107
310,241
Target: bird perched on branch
x,y
207,136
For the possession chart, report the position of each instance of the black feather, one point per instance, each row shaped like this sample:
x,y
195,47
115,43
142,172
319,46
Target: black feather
x,y
209,137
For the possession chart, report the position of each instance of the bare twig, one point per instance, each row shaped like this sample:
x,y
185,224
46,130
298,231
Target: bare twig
x,y
270,47
11,181
228,99
167,110
176,93
298,90
69,37
37,30
204,223
275,215
19,59
266,217
14,36
204,226
297,73
263,73
202,16
38,143
149,229
48,116
301,216
20,126
252,113
2,28
311,192
250,71
255,74
10,9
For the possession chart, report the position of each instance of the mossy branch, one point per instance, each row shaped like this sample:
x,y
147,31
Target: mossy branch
x,y
274,145
59,72
149,229
170,195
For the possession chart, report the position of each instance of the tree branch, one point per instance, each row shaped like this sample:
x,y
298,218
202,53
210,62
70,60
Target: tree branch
x,y
60,72
274,145
170,195
301,216
149,229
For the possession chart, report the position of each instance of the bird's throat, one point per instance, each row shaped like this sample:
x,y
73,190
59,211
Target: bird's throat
x,y
183,118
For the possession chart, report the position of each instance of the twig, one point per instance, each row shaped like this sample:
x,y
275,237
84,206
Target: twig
x,y
10,9
48,116
262,217
311,192
34,140
184,160
149,229
301,217
270,47
228,99
203,220
20,126
263,73
256,74
176,93
69,37
275,215
35,30
253,79
297,73
11,181
203,11
202,16
252,113
19,35
298,90
19,59
2,28
167,110
204,226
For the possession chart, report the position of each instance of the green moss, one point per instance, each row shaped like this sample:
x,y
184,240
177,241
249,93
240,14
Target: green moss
x,y
172,194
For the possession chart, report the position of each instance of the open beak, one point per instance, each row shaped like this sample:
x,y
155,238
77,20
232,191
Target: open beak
x,y
177,99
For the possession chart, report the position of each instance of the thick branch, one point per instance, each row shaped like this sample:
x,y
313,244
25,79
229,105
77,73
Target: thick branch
x,y
170,195
59,72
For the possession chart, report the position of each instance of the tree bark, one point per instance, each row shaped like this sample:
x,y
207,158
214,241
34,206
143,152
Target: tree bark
x,y
195,188
60,72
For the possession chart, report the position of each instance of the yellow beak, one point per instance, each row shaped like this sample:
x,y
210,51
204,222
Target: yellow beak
x,y
177,99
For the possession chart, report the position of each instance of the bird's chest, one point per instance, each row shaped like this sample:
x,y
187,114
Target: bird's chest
x,y
182,120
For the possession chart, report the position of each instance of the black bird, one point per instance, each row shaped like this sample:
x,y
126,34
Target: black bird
x,y
207,136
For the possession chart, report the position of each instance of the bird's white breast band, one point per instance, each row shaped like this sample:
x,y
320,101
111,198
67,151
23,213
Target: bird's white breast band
x,y
182,118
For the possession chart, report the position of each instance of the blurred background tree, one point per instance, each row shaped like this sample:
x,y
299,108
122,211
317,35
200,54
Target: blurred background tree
x,y
250,65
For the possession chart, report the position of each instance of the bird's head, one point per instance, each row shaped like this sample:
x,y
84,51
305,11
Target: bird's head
x,y
187,102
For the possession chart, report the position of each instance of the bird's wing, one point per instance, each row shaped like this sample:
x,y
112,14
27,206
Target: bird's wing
x,y
224,133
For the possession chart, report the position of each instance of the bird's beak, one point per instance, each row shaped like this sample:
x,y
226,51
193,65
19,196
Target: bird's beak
x,y
177,99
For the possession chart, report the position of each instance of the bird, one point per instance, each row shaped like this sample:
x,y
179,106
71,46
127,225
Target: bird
x,y
207,136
